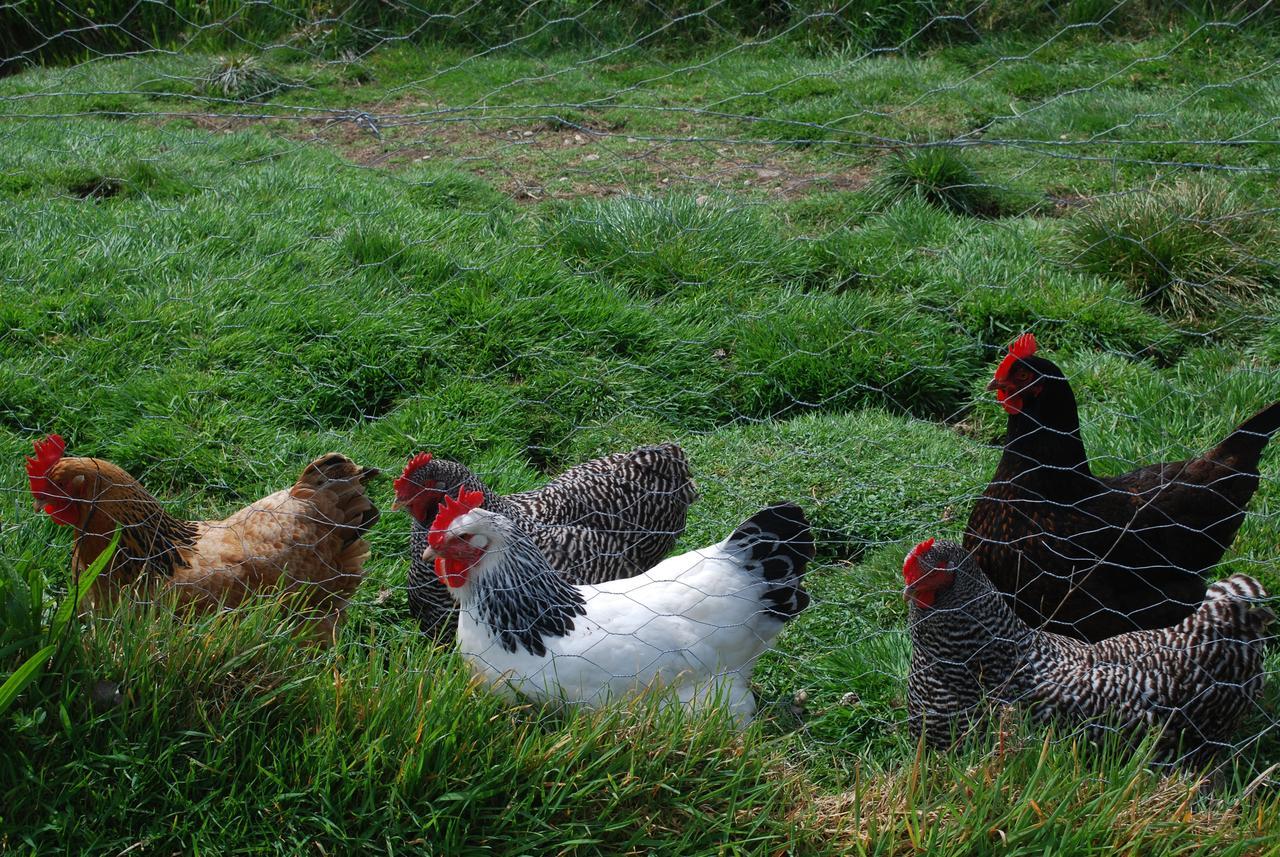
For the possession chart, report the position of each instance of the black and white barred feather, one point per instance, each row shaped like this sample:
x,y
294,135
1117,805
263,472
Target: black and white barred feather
x,y
1193,681
776,544
605,519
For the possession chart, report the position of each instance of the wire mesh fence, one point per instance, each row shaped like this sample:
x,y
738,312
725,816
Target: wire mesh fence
x,y
795,239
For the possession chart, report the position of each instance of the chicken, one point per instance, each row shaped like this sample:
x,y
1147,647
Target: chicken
x,y
694,624
1090,556
1195,681
310,535
604,519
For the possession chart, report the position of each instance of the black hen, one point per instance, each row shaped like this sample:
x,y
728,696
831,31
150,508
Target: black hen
x,y
1088,556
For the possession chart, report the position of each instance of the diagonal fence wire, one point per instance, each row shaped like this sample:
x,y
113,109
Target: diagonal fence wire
x,y
794,241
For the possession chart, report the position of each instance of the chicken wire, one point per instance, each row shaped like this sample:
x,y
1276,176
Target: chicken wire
x,y
553,146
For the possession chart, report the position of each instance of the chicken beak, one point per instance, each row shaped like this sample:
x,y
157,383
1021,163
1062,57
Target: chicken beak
x,y
993,386
396,505
429,554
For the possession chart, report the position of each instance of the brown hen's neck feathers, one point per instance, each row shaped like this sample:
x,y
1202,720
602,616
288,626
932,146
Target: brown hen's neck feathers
x,y
150,538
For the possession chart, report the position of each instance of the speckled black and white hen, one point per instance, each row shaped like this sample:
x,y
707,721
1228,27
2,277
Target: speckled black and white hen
x,y
605,519
1196,679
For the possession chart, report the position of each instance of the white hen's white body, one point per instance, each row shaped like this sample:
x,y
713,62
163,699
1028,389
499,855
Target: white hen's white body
x,y
693,625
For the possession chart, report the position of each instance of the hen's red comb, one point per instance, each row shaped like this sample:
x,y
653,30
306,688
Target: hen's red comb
x,y
403,486
911,570
450,509
48,453
1023,346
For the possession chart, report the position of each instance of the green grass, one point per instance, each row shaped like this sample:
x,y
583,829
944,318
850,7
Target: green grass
x,y
942,177
242,79
210,284
381,743
1190,249
35,32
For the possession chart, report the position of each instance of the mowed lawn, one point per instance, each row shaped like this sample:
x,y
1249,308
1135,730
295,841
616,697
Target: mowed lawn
x,y
216,268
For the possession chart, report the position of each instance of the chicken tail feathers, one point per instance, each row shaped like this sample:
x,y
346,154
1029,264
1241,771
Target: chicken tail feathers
x,y
1250,438
345,480
670,458
1245,600
777,544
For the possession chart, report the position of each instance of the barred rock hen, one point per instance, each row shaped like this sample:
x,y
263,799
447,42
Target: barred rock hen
x,y
604,519
695,623
310,534
1094,556
1196,679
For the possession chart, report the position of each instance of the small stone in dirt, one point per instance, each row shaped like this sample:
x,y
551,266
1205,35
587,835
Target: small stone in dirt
x,y
768,174
850,699
702,199
720,354
578,138
592,157
527,134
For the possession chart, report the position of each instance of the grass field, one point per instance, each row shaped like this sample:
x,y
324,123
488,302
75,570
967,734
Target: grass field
x,y
219,265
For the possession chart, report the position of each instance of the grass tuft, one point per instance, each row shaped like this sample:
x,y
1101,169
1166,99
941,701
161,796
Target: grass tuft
x,y
243,79
1188,249
942,177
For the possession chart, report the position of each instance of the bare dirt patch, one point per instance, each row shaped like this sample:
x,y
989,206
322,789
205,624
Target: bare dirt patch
x,y
533,160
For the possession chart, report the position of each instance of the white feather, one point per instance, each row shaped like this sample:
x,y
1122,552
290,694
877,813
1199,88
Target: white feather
x,y
694,624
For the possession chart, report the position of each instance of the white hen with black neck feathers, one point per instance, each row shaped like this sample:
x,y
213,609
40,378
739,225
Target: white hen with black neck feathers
x,y
693,625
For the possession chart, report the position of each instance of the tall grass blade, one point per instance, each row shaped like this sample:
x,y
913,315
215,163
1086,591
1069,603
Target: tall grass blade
x,y
71,604
23,676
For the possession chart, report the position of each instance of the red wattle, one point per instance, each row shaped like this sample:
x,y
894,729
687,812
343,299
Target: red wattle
x,y
1011,404
452,572
923,598
64,515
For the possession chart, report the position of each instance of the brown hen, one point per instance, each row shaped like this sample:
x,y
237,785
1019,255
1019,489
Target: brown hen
x,y
306,539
